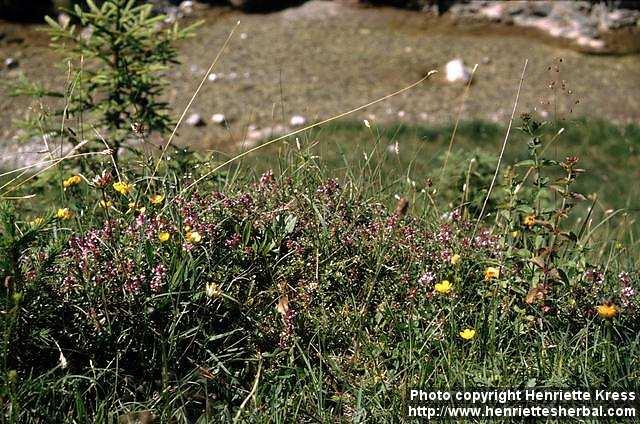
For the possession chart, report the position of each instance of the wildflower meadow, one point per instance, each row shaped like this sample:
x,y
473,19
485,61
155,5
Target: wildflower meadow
x,y
150,283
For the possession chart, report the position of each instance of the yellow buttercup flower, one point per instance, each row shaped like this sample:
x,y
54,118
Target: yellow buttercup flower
x,y
468,334
37,221
455,259
529,220
193,237
156,199
164,236
491,273
71,181
122,187
607,310
443,287
64,213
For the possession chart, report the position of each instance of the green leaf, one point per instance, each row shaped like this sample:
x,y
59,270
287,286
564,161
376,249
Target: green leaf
x,y
528,162
290,223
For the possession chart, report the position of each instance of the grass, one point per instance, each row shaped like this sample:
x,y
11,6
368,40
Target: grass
x,y
319,279
308,294
609,153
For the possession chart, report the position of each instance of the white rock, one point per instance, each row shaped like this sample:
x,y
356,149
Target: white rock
x,y
86,32
297,120
218,118
493,12
254,134
394,148
457,72
195,120
10,63
213,77
186,7
64,20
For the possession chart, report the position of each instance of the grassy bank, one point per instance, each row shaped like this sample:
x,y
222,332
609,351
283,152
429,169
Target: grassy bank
x,y
609,153
314,280
313,293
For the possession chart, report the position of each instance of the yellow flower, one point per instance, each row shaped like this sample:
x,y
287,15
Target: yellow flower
x,y
106,204
156,199
607,310
193,237
491,273
71,181
455,259
213,290
443,287
514,234
468,334
37,221
164,236
122,187
529,220
64,213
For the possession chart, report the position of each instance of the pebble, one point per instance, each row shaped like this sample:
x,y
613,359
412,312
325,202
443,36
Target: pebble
x,y
297,120
186,7
218,118
11,63
456,71
64,20
394,148
86,32
195,120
